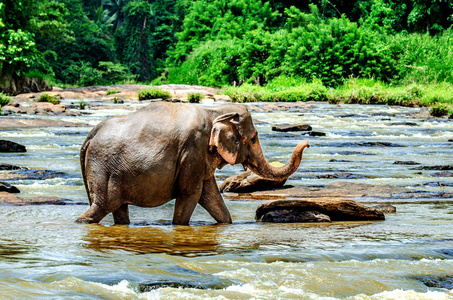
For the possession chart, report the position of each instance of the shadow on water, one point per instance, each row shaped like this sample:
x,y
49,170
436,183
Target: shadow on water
x,y
173,240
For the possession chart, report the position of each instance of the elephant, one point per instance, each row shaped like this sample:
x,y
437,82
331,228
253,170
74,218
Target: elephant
x,y
168,151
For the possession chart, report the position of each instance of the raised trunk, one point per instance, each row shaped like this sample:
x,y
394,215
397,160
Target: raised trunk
x,y
258,164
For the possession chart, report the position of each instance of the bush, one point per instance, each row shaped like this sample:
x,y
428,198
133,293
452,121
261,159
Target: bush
x,y
109,92
4,99
48,98
153,93
439,110
194,97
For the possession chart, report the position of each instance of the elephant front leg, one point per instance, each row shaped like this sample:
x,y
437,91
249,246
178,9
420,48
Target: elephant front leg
x,y
212,201
185,204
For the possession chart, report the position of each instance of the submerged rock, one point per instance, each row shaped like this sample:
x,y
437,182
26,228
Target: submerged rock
x,y
8,167
343,176
438,167
8,146
336,208
399,162
385,208
32,175
444,282
296,127
443,174
28,122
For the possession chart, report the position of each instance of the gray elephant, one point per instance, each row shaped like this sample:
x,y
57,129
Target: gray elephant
x,y
166,151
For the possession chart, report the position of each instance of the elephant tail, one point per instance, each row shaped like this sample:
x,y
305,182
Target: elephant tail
x,y
83,151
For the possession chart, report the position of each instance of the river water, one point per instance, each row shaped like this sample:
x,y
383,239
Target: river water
x,y
44,254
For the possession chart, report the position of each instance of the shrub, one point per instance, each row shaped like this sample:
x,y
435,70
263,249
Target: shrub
x,y
4,99
82,104
153,93
48,98
439,110
194,97
109,92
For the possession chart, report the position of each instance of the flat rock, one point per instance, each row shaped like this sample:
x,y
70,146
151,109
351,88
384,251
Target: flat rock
x,y
8,198
443,174
8,122
343,176
337,208
295,127
336,189
438,167
9,146
410,162
247,182
385,208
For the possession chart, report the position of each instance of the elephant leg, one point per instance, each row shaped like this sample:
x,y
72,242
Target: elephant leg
x,y
121,215
212,201
101,194
185,204
93,215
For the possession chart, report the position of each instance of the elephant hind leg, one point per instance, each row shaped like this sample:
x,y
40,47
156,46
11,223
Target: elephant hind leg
x,y
93,215
212,201
121,215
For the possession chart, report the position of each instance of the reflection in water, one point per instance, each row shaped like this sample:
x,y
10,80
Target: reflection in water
x,y
173,240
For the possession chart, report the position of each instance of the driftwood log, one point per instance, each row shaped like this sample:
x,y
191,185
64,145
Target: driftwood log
x,y
337,209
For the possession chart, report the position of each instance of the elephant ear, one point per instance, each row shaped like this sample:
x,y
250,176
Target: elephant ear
x,y
225,137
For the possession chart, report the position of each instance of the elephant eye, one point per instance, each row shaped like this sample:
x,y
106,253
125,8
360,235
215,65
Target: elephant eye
x,y
254,139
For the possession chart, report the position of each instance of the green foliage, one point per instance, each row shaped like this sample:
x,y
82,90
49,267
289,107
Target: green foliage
x,y
82,104
44,97
109,92
194,97
439,110
153,93
4,100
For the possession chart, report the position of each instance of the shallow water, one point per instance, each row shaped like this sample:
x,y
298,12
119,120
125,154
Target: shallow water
x,y
45,254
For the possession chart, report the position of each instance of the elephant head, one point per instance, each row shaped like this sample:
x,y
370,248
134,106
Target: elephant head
x,y
235,139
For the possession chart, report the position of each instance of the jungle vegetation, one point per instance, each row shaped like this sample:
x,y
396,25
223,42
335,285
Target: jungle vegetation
x,y
276,50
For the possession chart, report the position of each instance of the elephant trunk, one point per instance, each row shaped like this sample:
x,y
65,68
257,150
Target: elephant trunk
x,y
258,164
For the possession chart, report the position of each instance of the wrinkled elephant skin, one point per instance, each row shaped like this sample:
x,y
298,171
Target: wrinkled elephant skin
x,y
166,151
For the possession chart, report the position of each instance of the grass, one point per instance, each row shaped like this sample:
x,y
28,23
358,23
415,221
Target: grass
x,y
4,100
153,93
194,97
44,97
438,96
109,92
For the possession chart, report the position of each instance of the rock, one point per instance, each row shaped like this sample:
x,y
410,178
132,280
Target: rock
x,y
450,140
444,282
31,174
443,174
337,208
316,133
247,182
6,187
336,189
399,162
403,124
6,122
8,198
222,98
340,160
8,167
8,146
438,167
385,208
424,113
343,176
294,216
296,127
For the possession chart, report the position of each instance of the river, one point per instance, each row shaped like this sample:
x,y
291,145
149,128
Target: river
x,y
44,254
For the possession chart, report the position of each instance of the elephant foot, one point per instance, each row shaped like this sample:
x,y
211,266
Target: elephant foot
x,y
121,215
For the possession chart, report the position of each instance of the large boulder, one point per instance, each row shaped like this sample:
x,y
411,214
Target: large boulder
x,y
8,146
337,209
